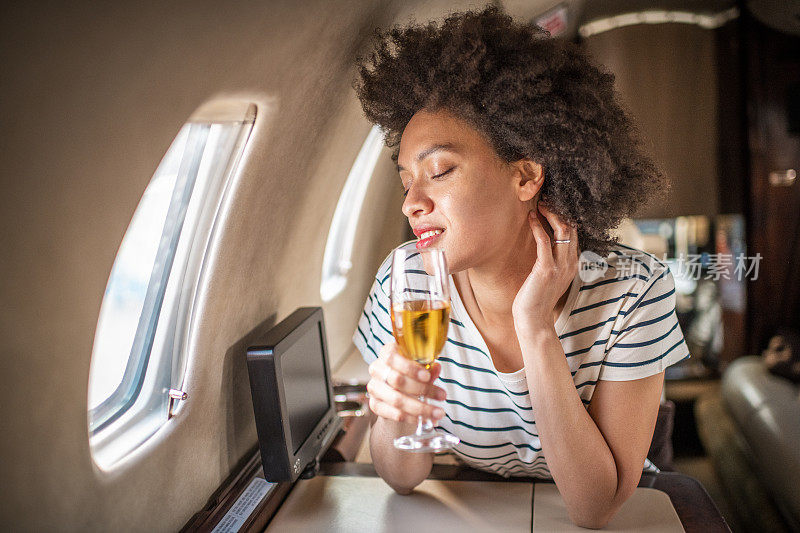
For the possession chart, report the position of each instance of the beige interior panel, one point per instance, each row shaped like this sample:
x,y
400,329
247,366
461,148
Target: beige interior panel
x,y
93,95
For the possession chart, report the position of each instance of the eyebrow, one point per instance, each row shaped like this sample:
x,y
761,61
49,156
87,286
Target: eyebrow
x,y
428,151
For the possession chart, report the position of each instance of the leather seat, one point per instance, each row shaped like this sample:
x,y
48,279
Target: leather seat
x,y
766,411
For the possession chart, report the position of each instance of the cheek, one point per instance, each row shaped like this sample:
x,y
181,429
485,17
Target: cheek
x,y
478,220
491,213
469,214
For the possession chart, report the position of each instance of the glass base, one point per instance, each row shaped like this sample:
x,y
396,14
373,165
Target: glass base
x,y
435,441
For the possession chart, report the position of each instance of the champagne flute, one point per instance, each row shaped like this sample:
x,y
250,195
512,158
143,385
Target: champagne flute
x,y
420,311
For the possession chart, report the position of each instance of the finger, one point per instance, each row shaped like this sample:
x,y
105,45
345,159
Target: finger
x,y
563,253
405,384
561,229
380,371
435,370
407,367
408,405
435,393
574,249
390,355
544,251
429,391
387,350
384,410
568,253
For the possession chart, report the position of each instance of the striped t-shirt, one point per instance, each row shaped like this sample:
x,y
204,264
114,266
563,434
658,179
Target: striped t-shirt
x,y
618,325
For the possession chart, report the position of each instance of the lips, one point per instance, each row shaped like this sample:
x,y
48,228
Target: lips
x,y
420,230
427,238
431,233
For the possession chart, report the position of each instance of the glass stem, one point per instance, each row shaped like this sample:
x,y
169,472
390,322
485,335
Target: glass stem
x,y
424,424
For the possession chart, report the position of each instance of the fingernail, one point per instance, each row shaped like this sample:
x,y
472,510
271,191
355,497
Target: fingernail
x,y
438,413
424,375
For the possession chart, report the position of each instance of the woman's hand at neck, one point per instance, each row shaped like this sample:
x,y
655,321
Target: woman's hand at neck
x,y
543,292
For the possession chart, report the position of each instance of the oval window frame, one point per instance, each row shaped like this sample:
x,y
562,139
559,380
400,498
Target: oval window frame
x,y
143,413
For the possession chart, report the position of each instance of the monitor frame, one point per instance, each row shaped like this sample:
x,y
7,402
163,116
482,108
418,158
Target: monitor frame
x,y
280,461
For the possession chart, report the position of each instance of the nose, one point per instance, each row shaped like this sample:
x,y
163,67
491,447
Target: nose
x,y
417,201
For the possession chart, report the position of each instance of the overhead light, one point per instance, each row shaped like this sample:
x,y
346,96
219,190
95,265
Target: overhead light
x,y
708,22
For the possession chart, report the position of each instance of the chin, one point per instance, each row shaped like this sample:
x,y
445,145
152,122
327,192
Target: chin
x,y
455,263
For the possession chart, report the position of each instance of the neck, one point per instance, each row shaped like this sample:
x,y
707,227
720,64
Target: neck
x,y
493,285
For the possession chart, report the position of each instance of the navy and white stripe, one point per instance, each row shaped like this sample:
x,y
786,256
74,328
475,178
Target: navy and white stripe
x,y
618,327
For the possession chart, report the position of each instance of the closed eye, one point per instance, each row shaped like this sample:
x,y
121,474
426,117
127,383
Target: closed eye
x,y
443,173
449,170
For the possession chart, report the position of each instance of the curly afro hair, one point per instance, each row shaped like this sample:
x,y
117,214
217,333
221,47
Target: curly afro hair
x,y
531,96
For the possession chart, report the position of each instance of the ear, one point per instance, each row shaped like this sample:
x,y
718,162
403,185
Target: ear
x,y
528,179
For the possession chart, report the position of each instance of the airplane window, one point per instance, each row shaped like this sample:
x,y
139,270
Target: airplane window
x,y
336,262
139,347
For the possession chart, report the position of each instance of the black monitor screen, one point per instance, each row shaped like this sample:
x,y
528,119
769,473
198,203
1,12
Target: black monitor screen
x,y
304,385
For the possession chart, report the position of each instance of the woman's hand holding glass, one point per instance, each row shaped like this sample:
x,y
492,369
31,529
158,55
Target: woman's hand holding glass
x,y
396,383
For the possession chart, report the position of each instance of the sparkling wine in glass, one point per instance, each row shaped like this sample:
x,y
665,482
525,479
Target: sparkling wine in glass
x,y
420,311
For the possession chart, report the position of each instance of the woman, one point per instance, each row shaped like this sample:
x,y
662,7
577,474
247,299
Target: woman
x,y
515,157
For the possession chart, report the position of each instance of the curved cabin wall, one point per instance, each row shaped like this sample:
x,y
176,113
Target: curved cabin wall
x,y
93,95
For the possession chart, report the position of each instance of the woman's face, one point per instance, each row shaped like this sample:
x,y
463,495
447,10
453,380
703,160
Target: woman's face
x,y
458,187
